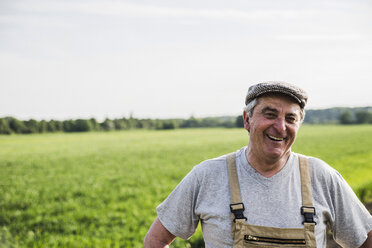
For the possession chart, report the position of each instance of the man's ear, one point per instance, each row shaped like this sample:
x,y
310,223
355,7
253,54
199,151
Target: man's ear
x,y
246,121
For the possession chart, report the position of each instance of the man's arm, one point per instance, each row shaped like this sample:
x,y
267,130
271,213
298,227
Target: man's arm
x,y
368,242
158,236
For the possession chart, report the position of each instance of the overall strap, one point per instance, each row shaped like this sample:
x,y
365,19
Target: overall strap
x,y
236,206
307,209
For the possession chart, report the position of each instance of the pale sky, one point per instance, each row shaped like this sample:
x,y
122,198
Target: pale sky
x,y
173,59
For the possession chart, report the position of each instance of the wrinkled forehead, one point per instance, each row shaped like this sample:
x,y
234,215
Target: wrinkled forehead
x,y
278,102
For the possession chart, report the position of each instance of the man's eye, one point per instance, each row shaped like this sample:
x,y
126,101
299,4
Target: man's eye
x,y
291,119
270,115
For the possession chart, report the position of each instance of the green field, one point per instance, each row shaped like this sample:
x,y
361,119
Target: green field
x,y
101,189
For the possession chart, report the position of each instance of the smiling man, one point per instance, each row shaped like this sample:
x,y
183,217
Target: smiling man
x,y
273,128
264,195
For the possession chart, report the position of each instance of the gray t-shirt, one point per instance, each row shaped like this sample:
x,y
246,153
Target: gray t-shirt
x,y
203,195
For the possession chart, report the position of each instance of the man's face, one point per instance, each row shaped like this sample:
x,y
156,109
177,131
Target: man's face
x,y
273,127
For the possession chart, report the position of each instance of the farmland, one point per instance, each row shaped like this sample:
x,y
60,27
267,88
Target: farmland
x,y
100,189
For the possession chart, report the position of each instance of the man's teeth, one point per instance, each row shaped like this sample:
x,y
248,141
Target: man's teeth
x,y
275,138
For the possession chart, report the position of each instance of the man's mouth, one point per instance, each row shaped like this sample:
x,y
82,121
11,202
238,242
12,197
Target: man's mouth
x,y
275,138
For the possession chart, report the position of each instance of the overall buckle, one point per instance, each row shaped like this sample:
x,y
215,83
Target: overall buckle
x,y
237,209
308,213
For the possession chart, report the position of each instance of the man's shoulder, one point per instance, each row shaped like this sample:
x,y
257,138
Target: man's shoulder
x,y
320,169
212,167
212,164
217,162
315,162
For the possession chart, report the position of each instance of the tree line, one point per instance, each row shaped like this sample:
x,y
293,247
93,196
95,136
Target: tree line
x,y
9,125
360,117
339,115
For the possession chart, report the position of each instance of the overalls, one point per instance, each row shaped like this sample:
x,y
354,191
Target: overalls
x,y
249,236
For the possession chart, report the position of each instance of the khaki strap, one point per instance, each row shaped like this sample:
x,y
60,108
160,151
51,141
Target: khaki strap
x,y
307,200
307,197
233,179
310,235
235,198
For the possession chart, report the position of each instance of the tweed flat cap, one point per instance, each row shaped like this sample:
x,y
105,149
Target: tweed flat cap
x,y
274,86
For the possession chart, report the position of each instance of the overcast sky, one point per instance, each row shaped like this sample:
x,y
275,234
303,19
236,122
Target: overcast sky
x,y
165,59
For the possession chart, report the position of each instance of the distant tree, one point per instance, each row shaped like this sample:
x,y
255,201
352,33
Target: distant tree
x,y
4,126
346,117
138,123
363,117
229,124
59,126
95,124
148,123
82,125
32,126
210,122
239,121
133,123
191,122
107,125
168,124
120,124
51,126
68,125
158,124
16,125
43,126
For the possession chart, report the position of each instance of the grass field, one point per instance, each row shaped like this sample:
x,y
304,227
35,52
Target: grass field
x,y
101,189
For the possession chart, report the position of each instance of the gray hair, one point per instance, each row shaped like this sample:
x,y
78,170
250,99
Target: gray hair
x,y
250,106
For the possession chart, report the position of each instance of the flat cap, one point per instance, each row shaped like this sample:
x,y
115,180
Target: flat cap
x,y
280,87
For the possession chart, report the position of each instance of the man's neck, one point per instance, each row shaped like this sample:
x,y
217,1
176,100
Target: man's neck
x,y
267,167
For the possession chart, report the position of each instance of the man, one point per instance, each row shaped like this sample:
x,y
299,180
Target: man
x,y
264,195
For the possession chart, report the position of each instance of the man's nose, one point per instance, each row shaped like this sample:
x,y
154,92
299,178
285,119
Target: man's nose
x,y
280,124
